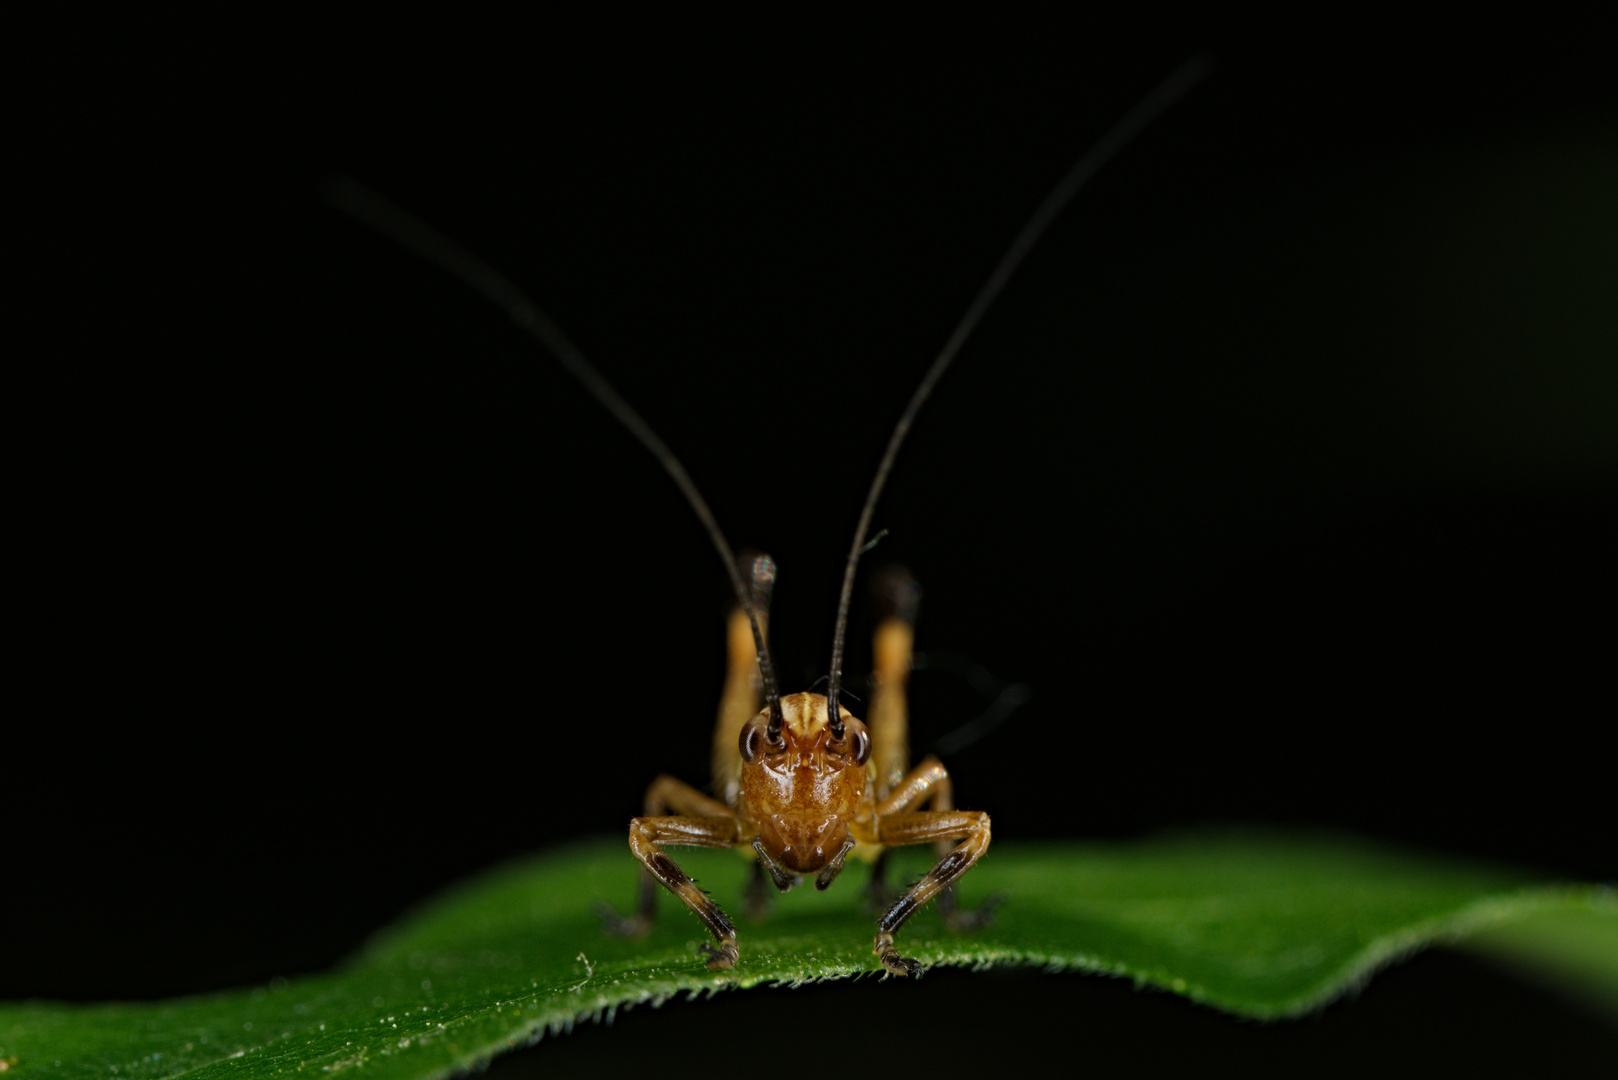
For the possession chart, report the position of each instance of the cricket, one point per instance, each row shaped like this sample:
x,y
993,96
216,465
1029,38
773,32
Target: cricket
x,y
799,783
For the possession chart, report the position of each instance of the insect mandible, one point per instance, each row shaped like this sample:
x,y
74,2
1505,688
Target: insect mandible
x,y
797,778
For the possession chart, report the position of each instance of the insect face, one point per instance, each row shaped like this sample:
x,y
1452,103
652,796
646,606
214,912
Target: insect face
x,y
805,790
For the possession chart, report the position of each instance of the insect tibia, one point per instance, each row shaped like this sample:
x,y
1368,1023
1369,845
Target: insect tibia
x,y
897,598
744,692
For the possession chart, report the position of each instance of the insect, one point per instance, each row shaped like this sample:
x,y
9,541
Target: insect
x,y
798,779
805,783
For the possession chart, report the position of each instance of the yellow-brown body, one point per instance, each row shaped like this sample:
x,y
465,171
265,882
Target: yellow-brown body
x,y
804,801
806,798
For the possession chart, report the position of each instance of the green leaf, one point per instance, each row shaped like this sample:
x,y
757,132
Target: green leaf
x,y
1258,925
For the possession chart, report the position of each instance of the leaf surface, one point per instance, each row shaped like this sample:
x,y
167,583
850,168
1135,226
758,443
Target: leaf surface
x,y
1255,924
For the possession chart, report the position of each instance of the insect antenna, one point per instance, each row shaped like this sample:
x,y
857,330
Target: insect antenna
x,y
1133,123
371,209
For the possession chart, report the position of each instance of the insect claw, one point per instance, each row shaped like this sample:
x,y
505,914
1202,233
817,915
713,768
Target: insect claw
x,y
721,957
902,966
892,962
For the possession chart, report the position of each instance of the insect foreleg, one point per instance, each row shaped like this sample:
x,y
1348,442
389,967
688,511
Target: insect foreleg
x,y
969,826
668,793
927,780
645,836
699,821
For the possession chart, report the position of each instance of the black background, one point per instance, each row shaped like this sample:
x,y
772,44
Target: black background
x,y
1283,475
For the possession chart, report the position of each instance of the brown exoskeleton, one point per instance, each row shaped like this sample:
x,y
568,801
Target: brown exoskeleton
x,y
805,791
798,778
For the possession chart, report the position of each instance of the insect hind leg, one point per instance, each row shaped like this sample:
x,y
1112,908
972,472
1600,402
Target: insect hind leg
x,y
897,597
743,695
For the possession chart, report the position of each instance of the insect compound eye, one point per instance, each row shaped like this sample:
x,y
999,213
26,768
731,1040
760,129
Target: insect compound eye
x,y
751,743
860,751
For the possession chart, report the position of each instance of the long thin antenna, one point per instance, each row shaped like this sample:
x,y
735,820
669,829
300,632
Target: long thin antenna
x,y
1133,123
365,205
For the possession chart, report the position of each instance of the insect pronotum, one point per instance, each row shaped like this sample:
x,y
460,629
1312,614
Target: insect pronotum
x,y
797,778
